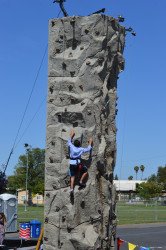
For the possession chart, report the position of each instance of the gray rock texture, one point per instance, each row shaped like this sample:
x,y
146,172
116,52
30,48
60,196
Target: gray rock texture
x,y
85,58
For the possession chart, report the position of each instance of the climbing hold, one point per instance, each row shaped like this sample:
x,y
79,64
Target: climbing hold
x,y
51,100
89,112
61,37
59,118
82,103
88,63
91,220
70,88
57,209
72,21
65,109
51,160
48,195
100,61
99,211
64,65
51,89
82,204
72,73
75,124
53,143
81,48
46,220
52,23
72,101
57,51
67,181
70,54
97,32
45,238
63,218
81,87
86,31
69,229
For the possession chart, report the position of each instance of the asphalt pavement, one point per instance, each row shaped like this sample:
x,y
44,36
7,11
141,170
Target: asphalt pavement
x,y
146,235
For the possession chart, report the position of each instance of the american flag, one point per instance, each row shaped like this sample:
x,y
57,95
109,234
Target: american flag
x,y
24,232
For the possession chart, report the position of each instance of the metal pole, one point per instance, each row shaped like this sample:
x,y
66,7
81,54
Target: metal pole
x,y
27,146
26,182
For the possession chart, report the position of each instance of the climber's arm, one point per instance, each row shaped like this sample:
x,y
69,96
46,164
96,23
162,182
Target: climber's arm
x,y
72,134
88,149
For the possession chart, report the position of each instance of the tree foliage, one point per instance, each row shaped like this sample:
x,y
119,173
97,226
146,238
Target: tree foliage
x,y
36,164
130,178
136,169
142,168
161,176
3,182
149,189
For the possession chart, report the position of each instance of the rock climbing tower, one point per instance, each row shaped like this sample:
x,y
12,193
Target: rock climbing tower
x,y
85,58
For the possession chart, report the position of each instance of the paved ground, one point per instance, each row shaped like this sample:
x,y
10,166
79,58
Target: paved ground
x,y
12,240
147,235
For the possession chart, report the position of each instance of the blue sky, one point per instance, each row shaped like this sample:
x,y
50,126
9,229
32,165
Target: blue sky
x,y
141,117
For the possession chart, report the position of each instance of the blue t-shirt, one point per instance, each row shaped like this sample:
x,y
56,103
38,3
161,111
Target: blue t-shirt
x,y
76,152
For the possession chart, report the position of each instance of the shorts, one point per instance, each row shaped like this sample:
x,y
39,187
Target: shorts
x,y
75,169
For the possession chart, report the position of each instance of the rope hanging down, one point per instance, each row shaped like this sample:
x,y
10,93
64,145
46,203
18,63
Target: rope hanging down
x,y
61,6
24,113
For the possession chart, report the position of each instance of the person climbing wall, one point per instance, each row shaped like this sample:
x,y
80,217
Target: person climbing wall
x,y
76,151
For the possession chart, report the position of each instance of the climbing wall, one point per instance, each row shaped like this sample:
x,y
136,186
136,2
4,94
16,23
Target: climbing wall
x,y
85,58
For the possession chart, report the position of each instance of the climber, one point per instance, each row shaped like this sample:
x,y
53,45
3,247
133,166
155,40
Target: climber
x,y
76,151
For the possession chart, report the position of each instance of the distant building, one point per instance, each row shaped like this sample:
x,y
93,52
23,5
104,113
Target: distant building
x,y
125,188
37,199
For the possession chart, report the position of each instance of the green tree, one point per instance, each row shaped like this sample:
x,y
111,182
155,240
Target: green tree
x,y
142,168
161,176
152,178
3,182
148,190
130,178
36,164
136,169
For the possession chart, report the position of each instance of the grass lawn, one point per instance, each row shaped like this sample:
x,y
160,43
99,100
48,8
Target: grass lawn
x,y
126,213
32,213
136,214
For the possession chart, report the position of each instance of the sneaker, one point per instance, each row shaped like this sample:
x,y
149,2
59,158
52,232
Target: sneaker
x,y
71,192
83,185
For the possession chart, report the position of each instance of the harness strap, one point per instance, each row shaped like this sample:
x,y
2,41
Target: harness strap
x,y
75,158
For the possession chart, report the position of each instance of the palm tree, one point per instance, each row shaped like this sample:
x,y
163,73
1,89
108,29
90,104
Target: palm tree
x,y
136,169
130,178
142,168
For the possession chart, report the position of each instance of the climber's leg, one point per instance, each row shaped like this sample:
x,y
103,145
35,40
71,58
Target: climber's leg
x,y
84,176
72,179
73,171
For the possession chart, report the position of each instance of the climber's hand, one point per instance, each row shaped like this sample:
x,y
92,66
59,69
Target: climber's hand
x,y
72,133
